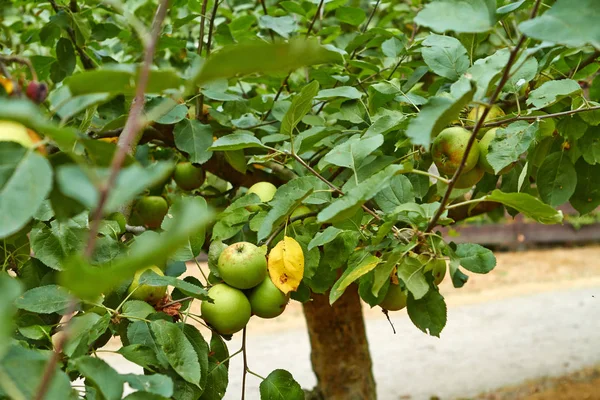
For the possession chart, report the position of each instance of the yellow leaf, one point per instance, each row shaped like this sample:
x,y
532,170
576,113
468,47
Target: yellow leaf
x,y
7,83
286,265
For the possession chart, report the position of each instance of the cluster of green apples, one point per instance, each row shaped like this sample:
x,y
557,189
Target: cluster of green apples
x,y
149,211
247,290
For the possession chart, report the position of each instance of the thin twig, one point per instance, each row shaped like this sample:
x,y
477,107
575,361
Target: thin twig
x,y
132,127
20,60
211,27
511,59
200,100
264,7
178,301
245,364
86,61
282,226
535,117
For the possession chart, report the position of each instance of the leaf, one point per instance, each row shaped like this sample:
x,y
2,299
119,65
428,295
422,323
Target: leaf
x,y
286,265
556,179
586,197
551,92
283,26
429,313
352,152
589,144
509,143
350,15
522,72
410,271
486,71
151,278
104,378
511,7
324,237
438,113
565,24
52,245
25,181
357,196
193,247
475,258
445,55
44,300
140,354
400,191
218,365
194,138
280,385
348,92
355,270
235,141
84,330
178,350
458,15
301,105
201,349
137,309
248,58
89,281
158,384
10,289
527,205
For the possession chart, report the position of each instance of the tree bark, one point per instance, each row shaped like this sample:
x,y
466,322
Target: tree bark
x,y
340,351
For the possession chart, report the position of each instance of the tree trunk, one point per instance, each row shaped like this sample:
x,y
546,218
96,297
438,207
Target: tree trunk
x,y
340,351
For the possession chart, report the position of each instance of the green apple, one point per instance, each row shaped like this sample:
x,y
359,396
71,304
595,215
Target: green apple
x,y
147,293
266,300
151,210
188,176
242,265
470,178
265,192
300,210
15,132
484,148
495,113
449,147
120,219
438,271
230,311
395,298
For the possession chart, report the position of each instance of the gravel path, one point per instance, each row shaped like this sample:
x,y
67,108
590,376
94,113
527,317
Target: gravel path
x,y
484,346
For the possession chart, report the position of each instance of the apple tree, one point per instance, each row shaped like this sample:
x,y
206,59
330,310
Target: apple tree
x,y
311,148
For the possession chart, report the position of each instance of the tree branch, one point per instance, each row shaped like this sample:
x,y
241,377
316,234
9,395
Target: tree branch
x,y
264,7
19,60
536,117
200,100
282,226
511,59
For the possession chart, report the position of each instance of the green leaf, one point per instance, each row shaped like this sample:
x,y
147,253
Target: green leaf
x,y
528,205
84,330
587,192
350,15
556,179
25,181
589,144
121,79
393,47
429,313
510,143
352,152
551,92
458,15
522,72
487,71
89,281
194,138
151,278
445,55
178,349
511,7
280,385
252,57
324,237
218,366
236,141
400,191
137,309
301,105
193,247
356,197
105,379
44,300
357,267
565,24
53,244
410,271
475,258
140,354
10,289
283,26
348,92
201,348
438,113
158,384
381,274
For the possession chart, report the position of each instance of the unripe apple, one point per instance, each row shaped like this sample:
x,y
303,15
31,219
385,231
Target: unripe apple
x,y
484,148
265,192
230,311
476,113
188,176
470,178
147,293
395,298
120,219
242,265
448,149
300,210
151,210
438,271
266,300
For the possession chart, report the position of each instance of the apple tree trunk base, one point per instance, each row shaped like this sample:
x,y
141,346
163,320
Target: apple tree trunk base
x,y
339,348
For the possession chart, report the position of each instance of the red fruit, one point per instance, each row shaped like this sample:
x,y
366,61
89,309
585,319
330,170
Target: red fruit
x,y
37,91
